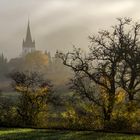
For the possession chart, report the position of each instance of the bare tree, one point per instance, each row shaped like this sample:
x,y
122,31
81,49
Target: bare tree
x,y
97,73
105,64
129,69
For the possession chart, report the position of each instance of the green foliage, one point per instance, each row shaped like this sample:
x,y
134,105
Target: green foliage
x,y
82,115
8,114
3,67
118,124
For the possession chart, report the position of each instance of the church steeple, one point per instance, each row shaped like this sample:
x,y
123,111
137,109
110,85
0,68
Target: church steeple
x,y
28,45
28,34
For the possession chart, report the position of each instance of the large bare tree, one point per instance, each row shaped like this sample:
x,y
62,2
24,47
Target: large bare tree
x,y
112,62
129,67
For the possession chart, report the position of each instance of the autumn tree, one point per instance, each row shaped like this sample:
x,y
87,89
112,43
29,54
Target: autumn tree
x,y
34,91
35,61
111,63
86,65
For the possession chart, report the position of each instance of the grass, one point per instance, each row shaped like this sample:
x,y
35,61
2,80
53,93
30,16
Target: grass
x,y
42,134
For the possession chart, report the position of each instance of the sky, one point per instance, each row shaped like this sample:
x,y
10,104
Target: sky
x,y
58,24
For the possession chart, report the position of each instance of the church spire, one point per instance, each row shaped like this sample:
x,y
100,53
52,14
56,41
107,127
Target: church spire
x,y
28,45
28,34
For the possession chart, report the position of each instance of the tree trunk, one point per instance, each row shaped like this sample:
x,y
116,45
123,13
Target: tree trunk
x,y
108,110
131,96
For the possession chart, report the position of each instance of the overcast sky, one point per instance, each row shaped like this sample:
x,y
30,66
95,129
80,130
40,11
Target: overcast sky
x,y
58,24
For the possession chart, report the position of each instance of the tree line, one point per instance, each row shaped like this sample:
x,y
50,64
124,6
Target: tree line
x,y
112,64
105,84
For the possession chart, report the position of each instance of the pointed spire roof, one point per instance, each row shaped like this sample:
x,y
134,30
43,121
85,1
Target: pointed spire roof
x,y
28,34
28,44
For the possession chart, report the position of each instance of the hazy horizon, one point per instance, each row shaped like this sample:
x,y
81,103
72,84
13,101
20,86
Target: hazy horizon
x,y
58,24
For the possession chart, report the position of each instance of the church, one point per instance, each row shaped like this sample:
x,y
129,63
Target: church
x,y
28,44
55,69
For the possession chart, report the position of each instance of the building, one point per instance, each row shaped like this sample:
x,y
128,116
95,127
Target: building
x,y
55,70
28,45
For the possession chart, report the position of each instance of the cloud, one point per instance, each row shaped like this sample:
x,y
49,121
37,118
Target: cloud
x,y
58,23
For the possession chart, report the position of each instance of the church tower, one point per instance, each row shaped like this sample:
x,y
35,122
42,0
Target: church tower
x,y
28,45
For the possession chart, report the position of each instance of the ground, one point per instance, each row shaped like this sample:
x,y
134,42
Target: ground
x,y
42,134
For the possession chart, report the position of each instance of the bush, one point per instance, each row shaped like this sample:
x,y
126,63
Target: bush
x,y
118,124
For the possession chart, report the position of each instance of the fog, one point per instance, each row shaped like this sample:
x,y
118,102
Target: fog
x,y
58,24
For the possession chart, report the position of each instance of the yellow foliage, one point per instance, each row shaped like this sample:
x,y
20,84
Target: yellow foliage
x,y
21,88
35,61
120,96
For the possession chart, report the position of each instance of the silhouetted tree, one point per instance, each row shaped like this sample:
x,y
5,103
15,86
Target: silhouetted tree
x,y
129,76
102,74
112,62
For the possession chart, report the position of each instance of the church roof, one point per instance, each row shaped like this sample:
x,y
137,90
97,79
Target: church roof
x,y
28,34
28,42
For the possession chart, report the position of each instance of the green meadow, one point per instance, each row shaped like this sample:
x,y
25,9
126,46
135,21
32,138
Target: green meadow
x,y
43,134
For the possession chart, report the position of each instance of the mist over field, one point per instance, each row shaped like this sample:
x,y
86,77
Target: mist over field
x,y
69,69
